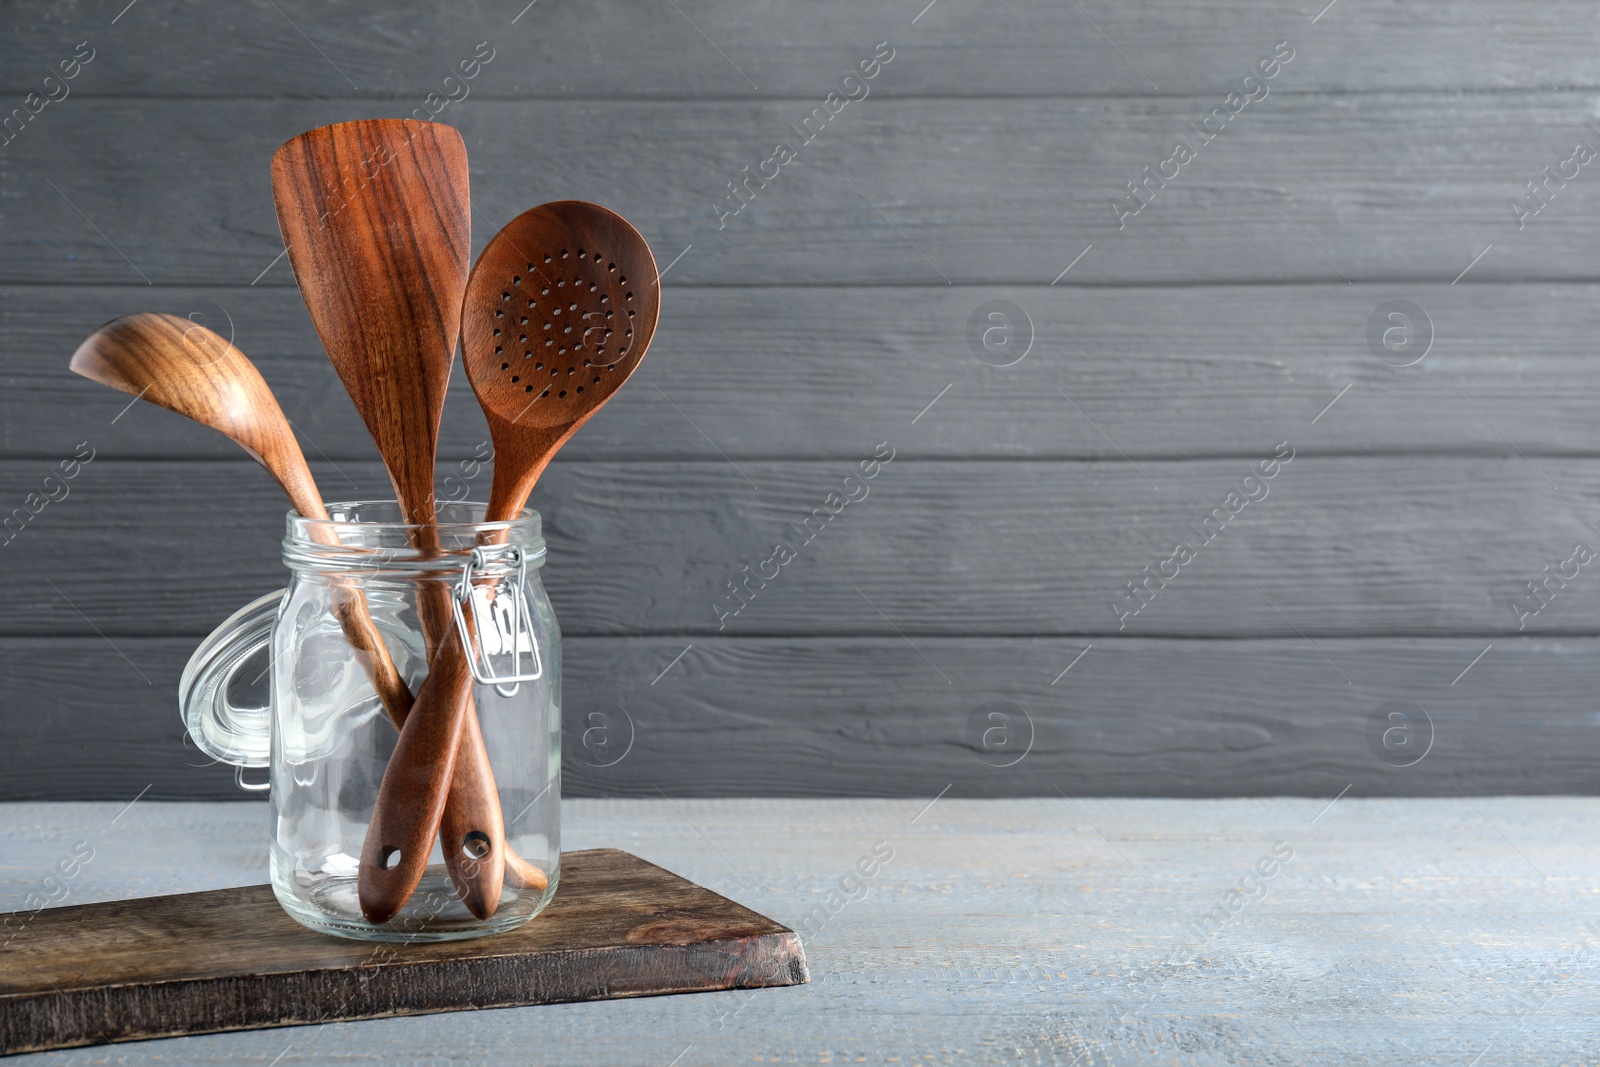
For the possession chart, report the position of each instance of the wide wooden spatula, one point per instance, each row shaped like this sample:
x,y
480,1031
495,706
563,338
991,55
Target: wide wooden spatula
x,y
376,217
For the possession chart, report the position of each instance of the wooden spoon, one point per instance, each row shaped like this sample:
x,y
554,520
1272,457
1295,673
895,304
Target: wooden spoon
x,y
559,310
187,368
376,218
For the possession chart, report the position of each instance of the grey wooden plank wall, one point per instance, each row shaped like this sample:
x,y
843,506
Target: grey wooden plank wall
x,y
958,628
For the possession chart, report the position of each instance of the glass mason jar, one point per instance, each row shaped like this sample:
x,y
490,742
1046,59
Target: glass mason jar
x,y
364,605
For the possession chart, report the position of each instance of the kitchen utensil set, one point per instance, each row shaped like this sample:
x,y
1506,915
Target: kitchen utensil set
x,y
557,313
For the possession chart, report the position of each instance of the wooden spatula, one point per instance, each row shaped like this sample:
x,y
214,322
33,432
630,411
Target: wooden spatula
x,y
377,221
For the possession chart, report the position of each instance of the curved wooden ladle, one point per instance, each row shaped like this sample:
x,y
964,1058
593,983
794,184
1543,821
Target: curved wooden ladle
x,y
559,311
189,369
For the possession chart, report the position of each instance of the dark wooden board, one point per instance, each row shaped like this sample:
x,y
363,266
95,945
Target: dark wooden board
x,y
1348,546
230,959
842,716
619,49
1433,175
760,371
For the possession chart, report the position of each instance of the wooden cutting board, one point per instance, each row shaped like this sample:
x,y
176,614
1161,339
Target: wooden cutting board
x,y
230,959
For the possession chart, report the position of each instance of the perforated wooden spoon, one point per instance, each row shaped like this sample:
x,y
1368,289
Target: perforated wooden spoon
x,y
559,310
185,367
376,218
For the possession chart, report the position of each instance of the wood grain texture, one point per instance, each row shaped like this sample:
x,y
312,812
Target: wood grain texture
x,y
1412,188
185,367
376,220
1163,372
230,959
1033,48
417,780
189,369
590,277
1341,546
1400,931
831,716
546,263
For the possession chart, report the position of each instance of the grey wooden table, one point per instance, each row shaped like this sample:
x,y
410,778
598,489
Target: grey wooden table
x,y
1004,931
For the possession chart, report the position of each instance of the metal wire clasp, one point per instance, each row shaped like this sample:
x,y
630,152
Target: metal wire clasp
x,y
501,615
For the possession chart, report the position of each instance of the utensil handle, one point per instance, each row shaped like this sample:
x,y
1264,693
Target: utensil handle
x,y
417,781
472,833
473,801
355,619
472,787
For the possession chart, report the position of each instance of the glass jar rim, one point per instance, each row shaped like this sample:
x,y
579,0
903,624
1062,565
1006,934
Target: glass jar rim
x,y
371,535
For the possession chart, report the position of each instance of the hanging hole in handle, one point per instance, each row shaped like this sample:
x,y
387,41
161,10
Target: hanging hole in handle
x,y
389,859
249,787
476,845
